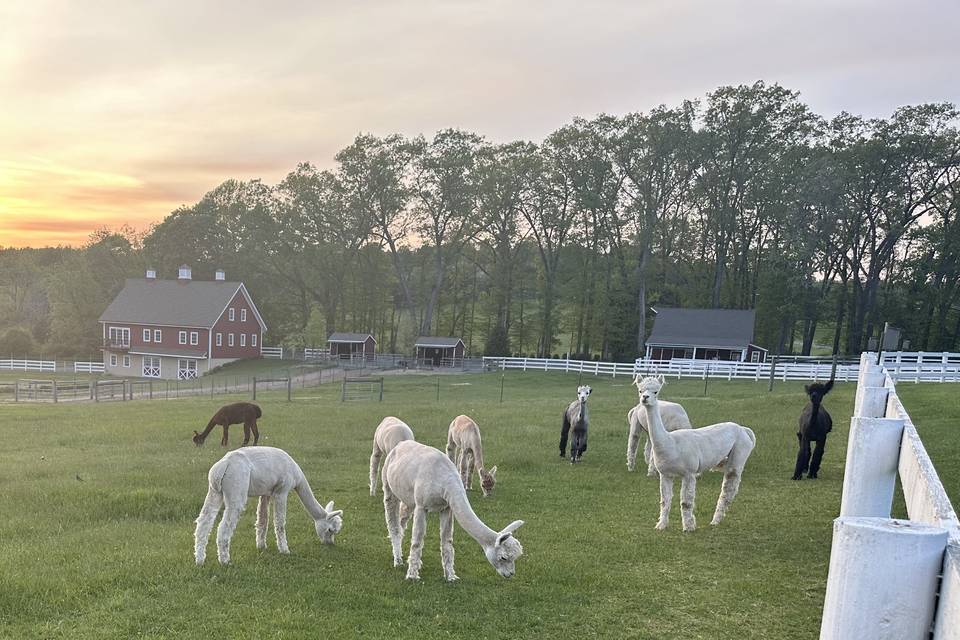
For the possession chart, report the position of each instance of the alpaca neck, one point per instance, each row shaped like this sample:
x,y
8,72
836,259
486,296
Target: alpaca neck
x,y
467,519
583,411
478,455
314,508
659,437
814,412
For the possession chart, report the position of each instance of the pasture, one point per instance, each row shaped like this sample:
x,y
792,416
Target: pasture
x,y
98,503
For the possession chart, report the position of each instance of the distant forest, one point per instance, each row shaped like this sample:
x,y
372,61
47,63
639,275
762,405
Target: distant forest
x,y
744,199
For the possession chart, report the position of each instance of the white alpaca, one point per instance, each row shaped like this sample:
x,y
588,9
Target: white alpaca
x,y
390,432
423,479
258,471
674,417
464,435
689,452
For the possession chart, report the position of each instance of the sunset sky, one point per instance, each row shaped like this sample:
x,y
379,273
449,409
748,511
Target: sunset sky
x,y
119,112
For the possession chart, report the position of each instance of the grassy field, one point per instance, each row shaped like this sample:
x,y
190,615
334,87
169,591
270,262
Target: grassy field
x,y
98,503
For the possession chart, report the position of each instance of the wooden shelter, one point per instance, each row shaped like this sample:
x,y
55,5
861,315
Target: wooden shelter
x,y
352,345
436,351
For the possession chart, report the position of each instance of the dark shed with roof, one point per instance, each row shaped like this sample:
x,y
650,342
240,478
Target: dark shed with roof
x,y
352,345
435,350
704,334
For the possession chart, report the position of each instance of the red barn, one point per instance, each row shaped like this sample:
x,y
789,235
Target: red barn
x,y
179,329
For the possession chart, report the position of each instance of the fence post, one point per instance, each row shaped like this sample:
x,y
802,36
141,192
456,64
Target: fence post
x,y
892,598
381,388
289,387
438,388
150,387
870,473
254,387
16,391
54,390
502,374
773,370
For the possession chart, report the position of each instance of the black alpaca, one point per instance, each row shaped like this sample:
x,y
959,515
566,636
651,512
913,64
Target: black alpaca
x,y
575,415
815,424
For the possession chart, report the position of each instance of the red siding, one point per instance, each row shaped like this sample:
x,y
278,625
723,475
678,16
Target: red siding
x,y
169,336
225,326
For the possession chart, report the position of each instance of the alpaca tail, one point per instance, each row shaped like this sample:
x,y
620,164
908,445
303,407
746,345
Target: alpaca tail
x,y
259,412
217,472
751,435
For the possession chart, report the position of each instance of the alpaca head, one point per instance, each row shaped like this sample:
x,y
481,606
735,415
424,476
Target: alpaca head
x,y
583,392
487,480
648,389
505,550
197,439
816,391
329,525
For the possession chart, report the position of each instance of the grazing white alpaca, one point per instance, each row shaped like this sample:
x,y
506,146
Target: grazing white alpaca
x,y
689,452
674,417
423,479
258,471
464,434
390,432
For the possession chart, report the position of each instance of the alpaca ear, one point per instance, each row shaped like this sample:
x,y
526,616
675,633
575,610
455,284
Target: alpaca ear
x,y
333,514
806,388
493,472
329,506
508,531
661,380
636,380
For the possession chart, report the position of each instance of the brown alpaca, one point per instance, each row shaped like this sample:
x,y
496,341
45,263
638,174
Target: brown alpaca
x,y
236,413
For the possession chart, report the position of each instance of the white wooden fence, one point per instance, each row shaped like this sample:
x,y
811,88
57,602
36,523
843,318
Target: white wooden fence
x,y
914,367
88,367
891,579
271,352
11,364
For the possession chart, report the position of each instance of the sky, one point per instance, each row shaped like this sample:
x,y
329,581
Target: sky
x,y
117,112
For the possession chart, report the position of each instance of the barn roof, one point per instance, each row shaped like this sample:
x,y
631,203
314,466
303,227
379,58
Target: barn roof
x,y
178,303
350,338
721,328
435,341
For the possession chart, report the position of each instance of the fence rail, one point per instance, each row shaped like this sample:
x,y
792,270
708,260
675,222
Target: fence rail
x,y
11,364
915,588
88,367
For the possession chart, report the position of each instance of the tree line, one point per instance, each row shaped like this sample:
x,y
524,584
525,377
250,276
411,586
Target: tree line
x,y
745,199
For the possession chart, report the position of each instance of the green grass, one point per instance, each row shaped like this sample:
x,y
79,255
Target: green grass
x,y
98,503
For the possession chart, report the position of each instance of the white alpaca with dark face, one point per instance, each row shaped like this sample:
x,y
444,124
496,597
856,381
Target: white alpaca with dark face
x,y
689,452
423,479
674,417
576,418
266,472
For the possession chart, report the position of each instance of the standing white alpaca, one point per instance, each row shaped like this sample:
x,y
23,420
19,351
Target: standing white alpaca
x,y
689,452
390,432
674,417
258,471
423,479
464,434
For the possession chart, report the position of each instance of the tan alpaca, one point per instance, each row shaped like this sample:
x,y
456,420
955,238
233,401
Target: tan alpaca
x,y
466,451
423,479
390,432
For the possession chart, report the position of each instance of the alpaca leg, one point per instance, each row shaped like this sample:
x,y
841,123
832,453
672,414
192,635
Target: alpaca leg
x,y
208,514
462,467
688,495
223,440
446,544
451,449
404,516
256,432
280,522
803,458
374,463
246,435
632,441
731,483
471,467
416,542
263,507
666,497
231,514
564,432
817,457
391,511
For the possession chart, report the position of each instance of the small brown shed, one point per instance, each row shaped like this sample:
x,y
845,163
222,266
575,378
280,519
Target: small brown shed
x,y
435,350
352,345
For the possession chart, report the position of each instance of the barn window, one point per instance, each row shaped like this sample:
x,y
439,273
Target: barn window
x,y
183,337
157,335
126,361
230,314
243,315
253,339
194,337
230,339
186,369
219,339
151,367
146,335
113,359
243,339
